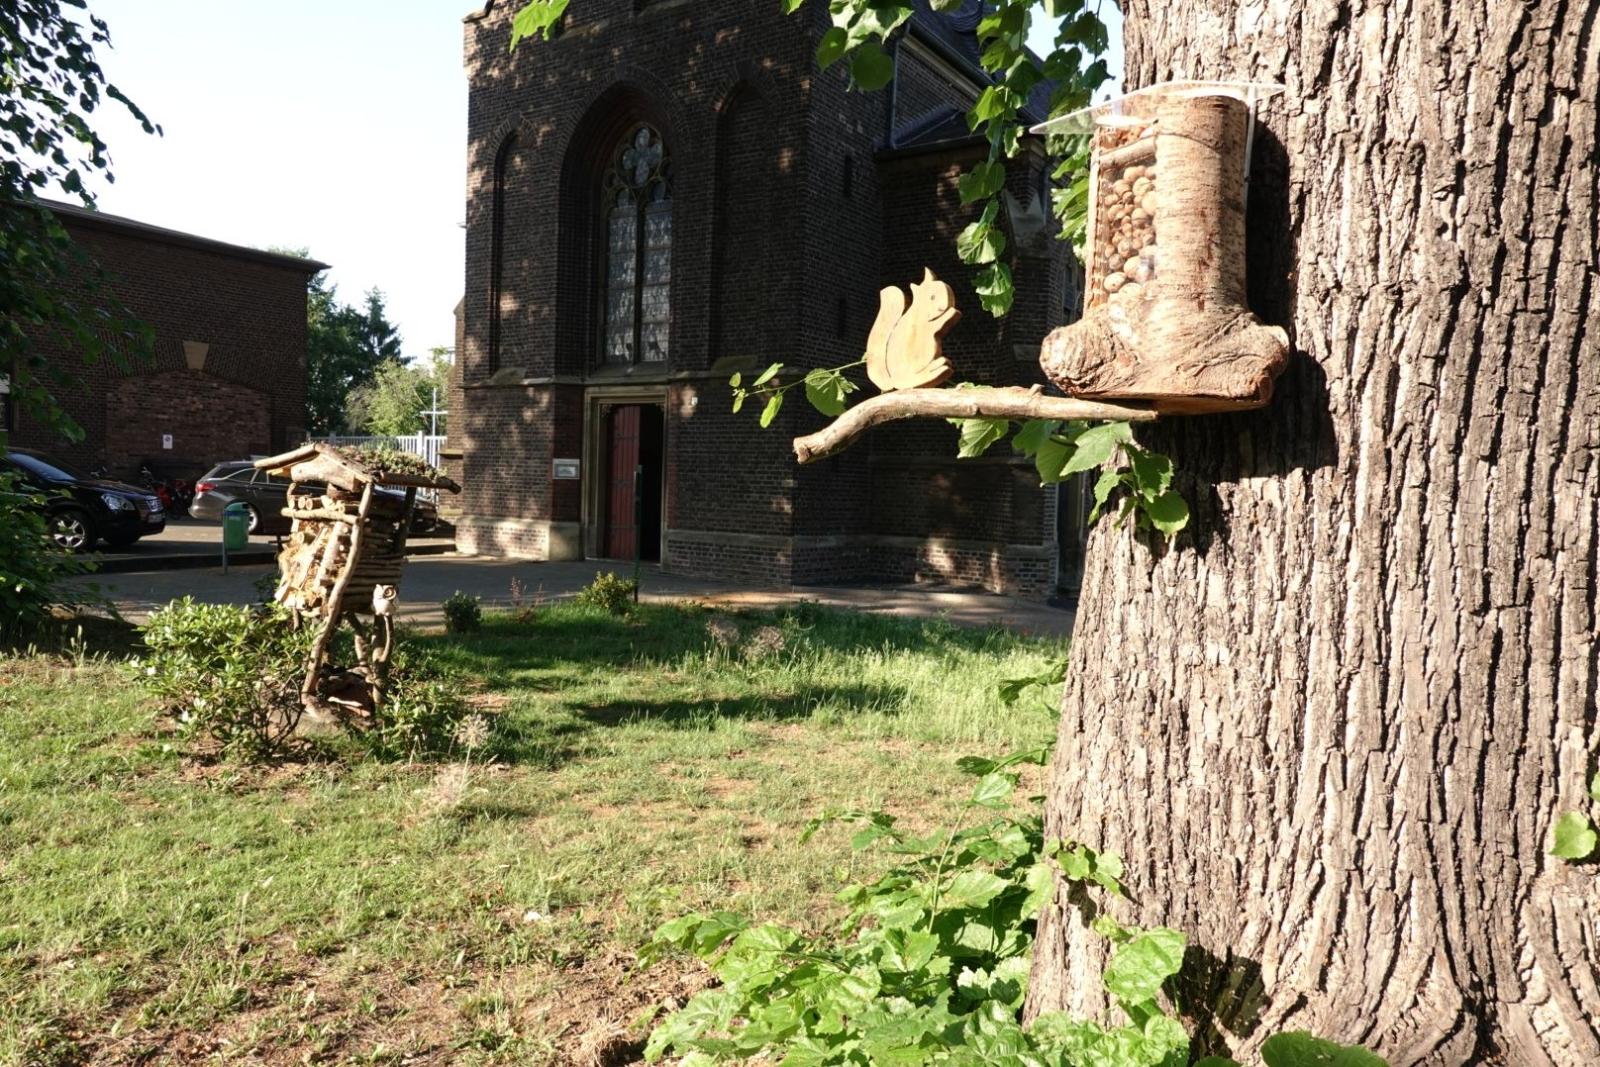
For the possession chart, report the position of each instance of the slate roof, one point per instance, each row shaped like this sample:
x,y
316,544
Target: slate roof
x,y
82,216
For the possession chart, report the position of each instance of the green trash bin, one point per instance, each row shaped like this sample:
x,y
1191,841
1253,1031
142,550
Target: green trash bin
x,y
235,527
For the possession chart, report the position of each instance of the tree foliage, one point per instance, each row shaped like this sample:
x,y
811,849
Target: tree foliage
x,y
345,347
394,402
51,85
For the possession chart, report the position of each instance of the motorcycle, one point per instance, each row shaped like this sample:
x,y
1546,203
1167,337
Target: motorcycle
x,y
175,494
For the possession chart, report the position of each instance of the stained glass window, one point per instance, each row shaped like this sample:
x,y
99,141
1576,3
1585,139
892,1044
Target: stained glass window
x,y
638,233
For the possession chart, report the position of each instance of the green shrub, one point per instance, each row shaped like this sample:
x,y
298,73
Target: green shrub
x,y
228,672
462,613
32,568
609,593
234,674
422,706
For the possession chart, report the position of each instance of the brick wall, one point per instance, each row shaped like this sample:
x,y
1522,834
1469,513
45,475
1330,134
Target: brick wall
x,y
209,420
247,308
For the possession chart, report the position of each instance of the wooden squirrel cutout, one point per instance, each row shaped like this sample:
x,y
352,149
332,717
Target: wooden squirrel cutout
x,y
904,349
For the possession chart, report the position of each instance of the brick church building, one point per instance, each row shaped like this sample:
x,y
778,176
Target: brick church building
x,y
670,191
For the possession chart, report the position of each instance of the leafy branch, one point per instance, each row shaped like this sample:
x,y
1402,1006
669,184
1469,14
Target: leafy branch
x,y
861,28
826,389
1140,481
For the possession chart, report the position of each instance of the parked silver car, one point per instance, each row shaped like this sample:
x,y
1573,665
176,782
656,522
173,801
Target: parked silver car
x,y
264,498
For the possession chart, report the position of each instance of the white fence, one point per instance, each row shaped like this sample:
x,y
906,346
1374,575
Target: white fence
x,y
428,446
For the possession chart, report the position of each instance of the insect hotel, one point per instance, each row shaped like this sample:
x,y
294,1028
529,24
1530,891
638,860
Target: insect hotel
x,y
351,513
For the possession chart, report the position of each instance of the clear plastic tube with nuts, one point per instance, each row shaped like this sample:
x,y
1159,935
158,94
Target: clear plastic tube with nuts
x,y
1165,318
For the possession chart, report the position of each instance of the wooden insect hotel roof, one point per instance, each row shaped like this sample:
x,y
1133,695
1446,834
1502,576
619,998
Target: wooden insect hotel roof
x,y
316,461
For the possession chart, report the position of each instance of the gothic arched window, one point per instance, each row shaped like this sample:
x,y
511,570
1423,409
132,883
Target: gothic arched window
x,y
637,195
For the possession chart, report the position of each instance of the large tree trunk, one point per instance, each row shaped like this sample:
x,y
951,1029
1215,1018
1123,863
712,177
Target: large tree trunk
x,y
1330,728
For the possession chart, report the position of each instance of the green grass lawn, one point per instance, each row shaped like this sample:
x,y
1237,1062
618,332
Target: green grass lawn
x,y
158,906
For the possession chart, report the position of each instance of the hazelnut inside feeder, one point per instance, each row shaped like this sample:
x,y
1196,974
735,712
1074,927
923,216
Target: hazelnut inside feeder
x,y
1165,318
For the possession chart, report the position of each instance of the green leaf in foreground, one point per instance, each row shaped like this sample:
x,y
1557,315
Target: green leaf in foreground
x,y
770,412
1574,837
538,18
978,434
1135,974
1300,1049
1168,513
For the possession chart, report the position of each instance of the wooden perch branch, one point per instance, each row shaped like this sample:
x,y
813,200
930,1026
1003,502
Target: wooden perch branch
x,y
1010,403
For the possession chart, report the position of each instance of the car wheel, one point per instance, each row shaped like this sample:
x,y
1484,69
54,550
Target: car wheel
x,y
255,518
72,530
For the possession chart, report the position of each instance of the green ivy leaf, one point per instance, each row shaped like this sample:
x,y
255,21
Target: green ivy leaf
x,y
1051,459
1076,863
972,889
826,390
1104,486
1168,513
1574,837
871,67
1096,445
993,790
538,18
1033,434
766,376
1136,972
995,289
909,950
980,243
832,47
1152,472
978,434
770,412
1594,788
982,181
735,380
1300,1049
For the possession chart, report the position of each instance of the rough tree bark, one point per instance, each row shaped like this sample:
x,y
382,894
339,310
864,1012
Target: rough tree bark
x,y
1330,728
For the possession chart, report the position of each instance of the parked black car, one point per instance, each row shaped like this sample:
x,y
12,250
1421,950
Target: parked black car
x,y
264,498
83,511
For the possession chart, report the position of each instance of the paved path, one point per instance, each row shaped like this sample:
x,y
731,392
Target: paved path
x,y
429,579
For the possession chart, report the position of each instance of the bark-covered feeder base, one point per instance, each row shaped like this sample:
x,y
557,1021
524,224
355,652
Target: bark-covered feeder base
x,y
1165,318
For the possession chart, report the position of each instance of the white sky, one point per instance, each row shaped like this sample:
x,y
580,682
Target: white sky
x,y
334,125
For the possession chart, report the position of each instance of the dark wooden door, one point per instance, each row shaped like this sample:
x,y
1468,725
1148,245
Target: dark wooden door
x,y
622,452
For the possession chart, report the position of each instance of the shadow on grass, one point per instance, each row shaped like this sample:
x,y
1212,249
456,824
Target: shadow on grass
x,y
677,677
804,703
564,635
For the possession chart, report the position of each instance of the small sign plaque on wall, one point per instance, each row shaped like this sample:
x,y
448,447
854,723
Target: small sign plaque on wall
x,y
564,469
166,441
